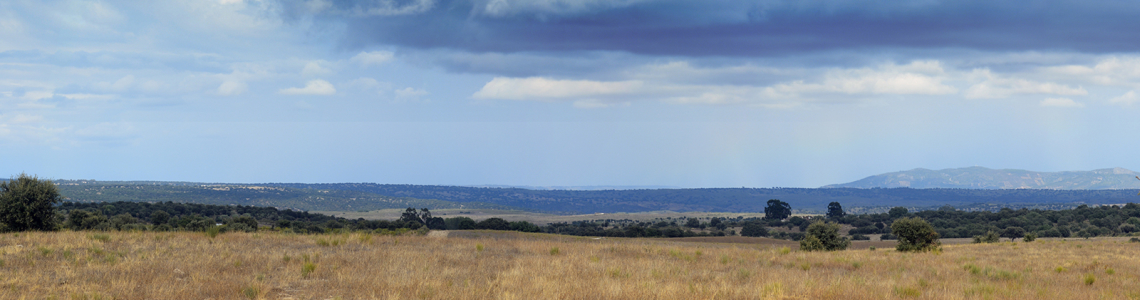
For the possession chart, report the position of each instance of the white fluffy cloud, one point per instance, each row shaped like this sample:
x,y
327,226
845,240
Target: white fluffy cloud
x,y
544,89
996,86
313,87
1128,98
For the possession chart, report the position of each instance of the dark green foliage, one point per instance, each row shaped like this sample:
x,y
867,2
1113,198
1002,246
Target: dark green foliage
x,y
915,234
1013,233
78,219
524,226
989,237
860,237
834,210
28,203
244,223
159,217
459,223
718,224
777,210
693,223
1030,237
888,237
493,224
823,236
754,229
897,212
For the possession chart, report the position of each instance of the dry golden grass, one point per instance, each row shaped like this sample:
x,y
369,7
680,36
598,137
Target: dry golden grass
x,y
134,265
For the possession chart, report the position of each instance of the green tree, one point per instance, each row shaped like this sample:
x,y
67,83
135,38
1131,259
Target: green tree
x,y
777,210
28,203
823,236
410,215
693,223
159,217
897,212
1013,233
754,228
834,210
914,234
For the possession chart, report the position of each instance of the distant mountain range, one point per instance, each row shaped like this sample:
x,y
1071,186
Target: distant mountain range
x,y
985,178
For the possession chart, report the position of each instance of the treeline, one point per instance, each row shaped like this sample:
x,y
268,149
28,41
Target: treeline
x,y
172,216
1082,221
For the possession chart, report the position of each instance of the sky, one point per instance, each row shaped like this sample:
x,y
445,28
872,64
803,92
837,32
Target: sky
x,y
708,93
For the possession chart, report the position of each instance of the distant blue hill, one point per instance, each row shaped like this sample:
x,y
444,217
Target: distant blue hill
x,y
985,178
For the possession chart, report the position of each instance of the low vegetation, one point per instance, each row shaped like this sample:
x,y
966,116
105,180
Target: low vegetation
x,y
273,265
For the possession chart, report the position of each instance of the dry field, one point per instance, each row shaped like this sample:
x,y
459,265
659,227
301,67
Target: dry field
x,y
266,265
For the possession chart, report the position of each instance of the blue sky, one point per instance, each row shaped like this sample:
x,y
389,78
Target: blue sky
x,y
712,93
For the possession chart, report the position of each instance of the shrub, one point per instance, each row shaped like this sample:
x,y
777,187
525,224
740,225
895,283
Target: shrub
x,y
914,234
860,237
989,237
1030,237
1134,240
1089,279
307,269
28,203
823,237
888,237
754,229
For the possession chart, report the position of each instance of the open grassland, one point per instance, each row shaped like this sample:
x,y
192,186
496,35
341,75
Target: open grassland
x,y
266,265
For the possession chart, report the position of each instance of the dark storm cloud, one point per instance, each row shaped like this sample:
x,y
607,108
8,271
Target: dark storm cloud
x,y
729,28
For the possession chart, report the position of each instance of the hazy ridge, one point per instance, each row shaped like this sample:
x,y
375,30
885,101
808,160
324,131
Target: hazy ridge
x,y
985,178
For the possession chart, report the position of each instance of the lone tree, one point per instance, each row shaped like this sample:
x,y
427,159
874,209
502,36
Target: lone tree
x,y
777,210
28,203
1013,233
834,210
823,237
915,235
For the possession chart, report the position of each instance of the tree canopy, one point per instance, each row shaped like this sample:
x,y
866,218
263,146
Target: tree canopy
x,y
28,203
777,210
834,210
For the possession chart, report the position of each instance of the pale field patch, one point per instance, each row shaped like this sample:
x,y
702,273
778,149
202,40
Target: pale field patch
x,y
269,265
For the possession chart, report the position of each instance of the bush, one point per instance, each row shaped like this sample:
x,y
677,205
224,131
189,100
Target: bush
x,y
914,234
823,237
493,224
860,237
1030,237
28,203
888,237
754,229
989,237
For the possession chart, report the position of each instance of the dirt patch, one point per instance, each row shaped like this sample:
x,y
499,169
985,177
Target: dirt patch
x,y
438,233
